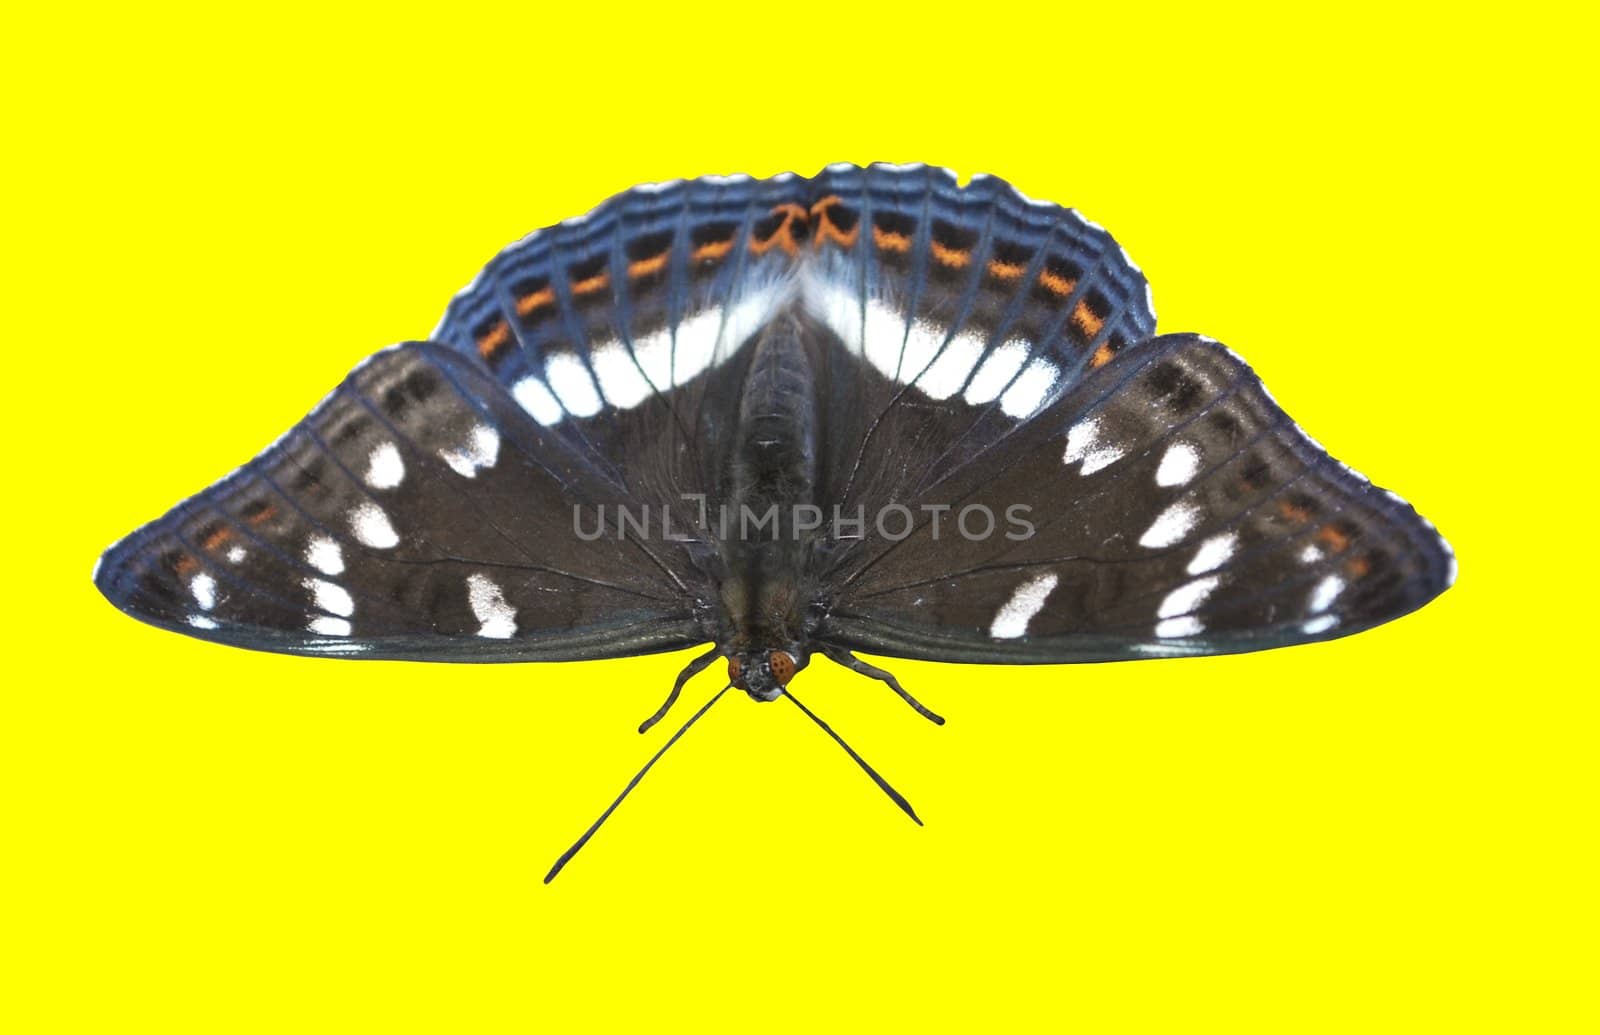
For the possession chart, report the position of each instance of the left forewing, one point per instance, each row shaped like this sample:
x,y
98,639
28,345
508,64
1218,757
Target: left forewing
x,y
417,513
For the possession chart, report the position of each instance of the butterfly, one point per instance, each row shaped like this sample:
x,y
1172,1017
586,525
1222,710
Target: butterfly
x,y
943,408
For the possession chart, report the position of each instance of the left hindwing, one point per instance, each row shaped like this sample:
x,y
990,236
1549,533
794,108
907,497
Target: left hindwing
x,y
1175,509
624,332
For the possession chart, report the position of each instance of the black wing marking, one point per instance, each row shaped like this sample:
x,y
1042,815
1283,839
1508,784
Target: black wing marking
x,y
1176,510
418,513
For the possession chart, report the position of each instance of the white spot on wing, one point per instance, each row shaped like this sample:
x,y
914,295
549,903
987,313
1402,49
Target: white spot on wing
x,y
496,618
385,469
1187,625
653,352
371,525
996,372
746,317
533,396
1029,391
950,371
570,381
923,342
330,597
1011,621
1170,526
324,555
885,341
1321,623
1214,553
696,345
841,311
620,380
1100,458
326,625
1081,438
1324,592
1187,597
204,588
201,622
1083,444
1179,464
478,454
235,554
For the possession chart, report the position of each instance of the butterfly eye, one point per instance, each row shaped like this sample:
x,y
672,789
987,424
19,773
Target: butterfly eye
x,y
782,664
735,670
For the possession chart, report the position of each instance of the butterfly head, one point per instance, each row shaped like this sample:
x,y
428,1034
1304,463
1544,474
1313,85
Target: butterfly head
x,y
764,673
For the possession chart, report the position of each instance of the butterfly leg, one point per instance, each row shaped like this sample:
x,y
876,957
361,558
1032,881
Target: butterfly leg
x,y
840,656
690,670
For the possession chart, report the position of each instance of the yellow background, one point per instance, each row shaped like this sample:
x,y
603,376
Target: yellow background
x,y
211,216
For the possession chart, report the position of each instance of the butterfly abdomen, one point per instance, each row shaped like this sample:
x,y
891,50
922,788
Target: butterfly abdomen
x,y
776,453
771,489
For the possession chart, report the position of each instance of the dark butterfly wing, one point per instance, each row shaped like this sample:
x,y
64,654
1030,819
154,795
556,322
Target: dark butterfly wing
x,y
592,366
992,352
623,331
961,336
416,513
1173,509
957,313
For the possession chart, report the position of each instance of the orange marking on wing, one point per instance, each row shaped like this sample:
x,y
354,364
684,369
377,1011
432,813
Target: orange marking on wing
x,y
217,538
536,300
955,258
712,250
890,241
779,239
493,341
1006,270
826,203
783,236
265,514
1057,283
186,564
1293,511
1102,356
1087,322
645,267
1358,566
1334,539
590,285
849,240
826,230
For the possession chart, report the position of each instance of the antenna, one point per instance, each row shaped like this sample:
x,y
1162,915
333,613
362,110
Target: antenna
x,y
894,795
566,856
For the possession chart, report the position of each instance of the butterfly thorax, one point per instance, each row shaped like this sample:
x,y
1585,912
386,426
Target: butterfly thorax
x,y
770,487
